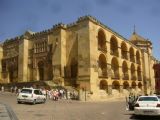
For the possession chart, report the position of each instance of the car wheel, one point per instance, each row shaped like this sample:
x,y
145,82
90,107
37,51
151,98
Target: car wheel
x,y
18,102
34,102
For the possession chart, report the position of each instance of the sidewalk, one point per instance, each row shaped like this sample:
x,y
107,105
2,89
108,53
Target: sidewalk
x,y
6,113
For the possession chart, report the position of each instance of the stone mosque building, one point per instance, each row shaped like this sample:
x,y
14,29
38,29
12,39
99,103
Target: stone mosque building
x,y
86,55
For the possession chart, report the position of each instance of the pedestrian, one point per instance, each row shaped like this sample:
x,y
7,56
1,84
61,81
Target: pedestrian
x,y
15,89
44,92
11,89
2,88
55,95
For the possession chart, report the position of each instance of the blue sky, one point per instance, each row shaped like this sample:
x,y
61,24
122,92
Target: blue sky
x,y
17,16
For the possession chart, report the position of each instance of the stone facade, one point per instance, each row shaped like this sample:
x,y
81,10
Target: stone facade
x,y
156,68
86,55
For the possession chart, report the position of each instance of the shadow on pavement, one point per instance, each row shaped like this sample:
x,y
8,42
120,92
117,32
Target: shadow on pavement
x,y
134,117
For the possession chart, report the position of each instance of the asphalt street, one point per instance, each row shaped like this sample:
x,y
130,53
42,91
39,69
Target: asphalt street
x,y
71,110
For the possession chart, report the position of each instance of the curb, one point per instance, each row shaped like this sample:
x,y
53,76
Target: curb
x,y
9,111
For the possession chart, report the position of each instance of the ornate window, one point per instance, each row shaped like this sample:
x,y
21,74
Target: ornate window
x,y
40,47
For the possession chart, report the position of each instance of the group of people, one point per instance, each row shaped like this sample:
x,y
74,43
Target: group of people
x,y
56,94
14,89
131,100
53,94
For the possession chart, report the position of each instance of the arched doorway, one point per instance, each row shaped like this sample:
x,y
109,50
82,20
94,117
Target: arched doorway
x,y
134,85
115,88
103,85
116,85
126,88
126,85
140,85
41,70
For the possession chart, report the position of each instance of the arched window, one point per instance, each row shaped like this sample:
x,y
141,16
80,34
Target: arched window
x,y
103,66
139,73
124,51
138,57
102,41
131,51
115,68
125,75
133,72
114,46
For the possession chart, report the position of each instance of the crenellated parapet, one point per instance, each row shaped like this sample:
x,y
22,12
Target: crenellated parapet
x,y
29,34
59,25
16,39
71,24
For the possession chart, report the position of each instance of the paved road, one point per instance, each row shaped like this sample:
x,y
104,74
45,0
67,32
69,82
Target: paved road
x,y
70,110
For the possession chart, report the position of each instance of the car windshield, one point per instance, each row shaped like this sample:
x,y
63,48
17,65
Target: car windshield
x,y
29,91
148,99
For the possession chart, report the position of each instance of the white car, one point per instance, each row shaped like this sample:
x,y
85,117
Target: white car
x,y
30,95
147,105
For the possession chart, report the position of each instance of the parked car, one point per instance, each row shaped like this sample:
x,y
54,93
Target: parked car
x,y
147,105
30,95
158,97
